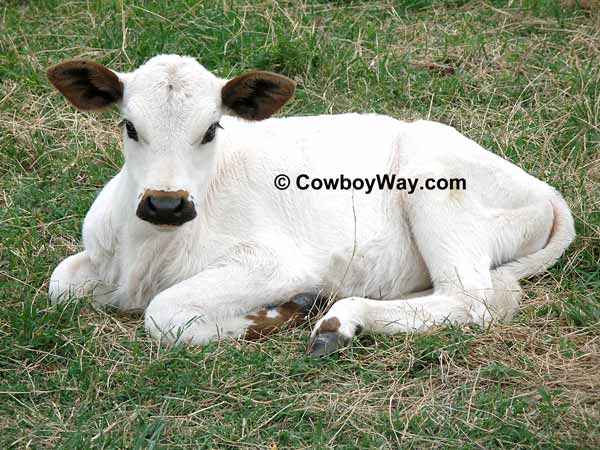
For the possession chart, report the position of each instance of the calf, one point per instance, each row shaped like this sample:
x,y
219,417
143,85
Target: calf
x,y
199,230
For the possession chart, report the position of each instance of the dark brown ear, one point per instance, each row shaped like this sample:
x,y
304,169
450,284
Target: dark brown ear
x,y
257,95
86,84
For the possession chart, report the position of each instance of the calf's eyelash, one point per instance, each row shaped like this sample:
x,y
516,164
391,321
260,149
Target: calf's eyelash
x,y
210,133
131,131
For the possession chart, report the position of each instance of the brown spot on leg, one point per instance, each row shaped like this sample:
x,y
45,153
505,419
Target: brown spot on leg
x,y
271,320
332,324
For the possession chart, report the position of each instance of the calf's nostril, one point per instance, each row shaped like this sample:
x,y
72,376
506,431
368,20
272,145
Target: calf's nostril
x,y
179,207
151,206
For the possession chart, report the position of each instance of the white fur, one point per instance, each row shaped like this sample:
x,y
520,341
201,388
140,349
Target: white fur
x,y
252,245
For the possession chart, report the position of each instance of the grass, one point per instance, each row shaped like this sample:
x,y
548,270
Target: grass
x,y
520,77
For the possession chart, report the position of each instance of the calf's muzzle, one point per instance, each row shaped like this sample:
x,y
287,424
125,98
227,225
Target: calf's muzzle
x,y
166,208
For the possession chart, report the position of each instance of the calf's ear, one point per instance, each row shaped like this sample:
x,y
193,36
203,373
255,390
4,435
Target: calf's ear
x,y
87,85
257,95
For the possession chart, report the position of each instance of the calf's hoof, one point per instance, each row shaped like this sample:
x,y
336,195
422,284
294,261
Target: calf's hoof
x,y
327,342
308,304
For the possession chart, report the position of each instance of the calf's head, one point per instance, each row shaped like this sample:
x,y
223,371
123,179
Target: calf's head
x,y
171,108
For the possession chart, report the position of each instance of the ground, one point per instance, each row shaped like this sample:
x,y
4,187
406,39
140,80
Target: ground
x,y
520,77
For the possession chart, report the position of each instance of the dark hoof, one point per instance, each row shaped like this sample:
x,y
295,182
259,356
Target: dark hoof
x,y
326,343
309,304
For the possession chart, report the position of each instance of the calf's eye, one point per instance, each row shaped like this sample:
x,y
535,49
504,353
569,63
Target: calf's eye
x,y
210,133
131,131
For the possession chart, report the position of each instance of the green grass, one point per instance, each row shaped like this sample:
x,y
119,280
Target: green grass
x,y
520,77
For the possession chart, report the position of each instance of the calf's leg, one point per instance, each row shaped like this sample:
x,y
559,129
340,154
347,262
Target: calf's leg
x,y
248,300
459,243
75,277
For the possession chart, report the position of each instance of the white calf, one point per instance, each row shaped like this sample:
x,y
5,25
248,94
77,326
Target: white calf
x,y
194,230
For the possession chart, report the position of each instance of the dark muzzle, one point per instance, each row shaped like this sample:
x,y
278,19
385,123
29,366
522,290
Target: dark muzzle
x,y
166,208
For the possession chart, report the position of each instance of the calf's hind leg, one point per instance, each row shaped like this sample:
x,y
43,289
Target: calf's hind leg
x,y
459,245
353,315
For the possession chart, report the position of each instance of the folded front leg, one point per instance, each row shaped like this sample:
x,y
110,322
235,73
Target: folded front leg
x,y
250,299
76,277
